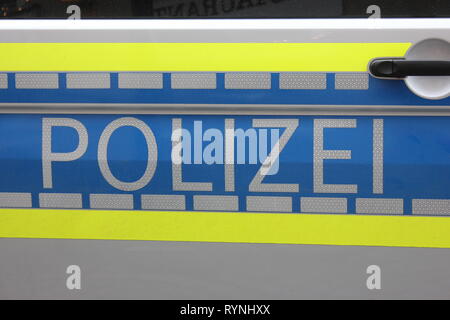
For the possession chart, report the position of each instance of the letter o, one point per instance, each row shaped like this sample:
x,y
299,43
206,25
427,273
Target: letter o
x,y
152,150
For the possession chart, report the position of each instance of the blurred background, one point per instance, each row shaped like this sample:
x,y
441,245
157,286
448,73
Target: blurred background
x,y
154,9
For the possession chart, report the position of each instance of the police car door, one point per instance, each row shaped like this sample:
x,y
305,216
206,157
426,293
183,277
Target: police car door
x,y
268,121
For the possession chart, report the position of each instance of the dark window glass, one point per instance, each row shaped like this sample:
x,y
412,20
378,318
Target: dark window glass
x,y
159,9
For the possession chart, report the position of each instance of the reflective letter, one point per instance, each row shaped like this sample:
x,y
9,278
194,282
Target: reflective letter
x,y
378,156
320,154
48,156
152,150
177,174
229,155
256,185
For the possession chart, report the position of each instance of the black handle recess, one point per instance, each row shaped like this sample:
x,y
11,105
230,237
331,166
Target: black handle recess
x,y
401,68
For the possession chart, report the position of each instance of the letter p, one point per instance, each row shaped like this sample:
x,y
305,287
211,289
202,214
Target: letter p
x,y
48,156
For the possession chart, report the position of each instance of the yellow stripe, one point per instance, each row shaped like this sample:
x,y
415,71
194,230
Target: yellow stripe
x,y
406,231
332,57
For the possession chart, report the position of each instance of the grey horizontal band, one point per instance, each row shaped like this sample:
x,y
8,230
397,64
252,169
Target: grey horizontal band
x,y
216,203
191,80
37,81
436,207
163,202
269,204
140,80
111,201
88,80
15,200
323,205
60,200
3,81
379,206
224,109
